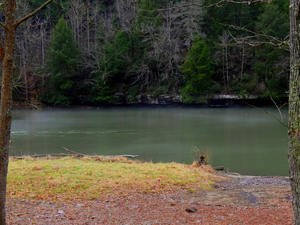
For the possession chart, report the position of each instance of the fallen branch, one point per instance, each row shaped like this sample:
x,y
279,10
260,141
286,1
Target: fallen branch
x,y
113,156
75,153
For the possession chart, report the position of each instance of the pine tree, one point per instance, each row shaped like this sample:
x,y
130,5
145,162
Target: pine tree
x,y
63,64
197,69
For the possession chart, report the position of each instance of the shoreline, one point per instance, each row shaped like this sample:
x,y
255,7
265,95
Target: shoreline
x,y
216,101
139,106
133,159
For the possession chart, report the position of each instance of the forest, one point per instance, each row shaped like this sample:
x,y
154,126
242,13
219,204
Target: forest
x,y
166,165
82,52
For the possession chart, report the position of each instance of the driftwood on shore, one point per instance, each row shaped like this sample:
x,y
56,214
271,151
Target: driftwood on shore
x,y
112,156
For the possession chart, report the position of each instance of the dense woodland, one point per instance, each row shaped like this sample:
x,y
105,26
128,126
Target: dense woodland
x,y
89,52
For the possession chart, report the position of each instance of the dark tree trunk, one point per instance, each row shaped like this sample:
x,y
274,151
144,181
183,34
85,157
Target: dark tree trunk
x,y
294,107
9,27
6,99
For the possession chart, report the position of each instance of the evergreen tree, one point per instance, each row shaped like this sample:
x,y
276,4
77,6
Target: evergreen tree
x,y
272,63
197,70
63,64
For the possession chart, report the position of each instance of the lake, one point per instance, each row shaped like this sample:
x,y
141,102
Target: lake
x,y
244,140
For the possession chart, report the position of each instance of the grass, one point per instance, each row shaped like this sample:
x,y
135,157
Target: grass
x,y
90,178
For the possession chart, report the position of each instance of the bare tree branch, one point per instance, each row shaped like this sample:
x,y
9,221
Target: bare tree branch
x,y
280,120
33,13
217,4
278,108
271,40
242,2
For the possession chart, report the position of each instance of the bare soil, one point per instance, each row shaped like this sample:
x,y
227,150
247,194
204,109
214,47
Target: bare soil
x,y
235,200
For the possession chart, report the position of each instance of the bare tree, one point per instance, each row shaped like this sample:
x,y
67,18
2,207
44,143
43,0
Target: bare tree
x,y
225,44
7,55
294,107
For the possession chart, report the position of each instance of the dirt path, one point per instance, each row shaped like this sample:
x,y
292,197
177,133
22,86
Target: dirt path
x,y
238,200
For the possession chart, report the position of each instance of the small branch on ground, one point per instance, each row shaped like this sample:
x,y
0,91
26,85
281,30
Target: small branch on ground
x,y
77,154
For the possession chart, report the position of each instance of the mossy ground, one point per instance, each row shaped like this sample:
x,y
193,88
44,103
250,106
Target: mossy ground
x,y
90,178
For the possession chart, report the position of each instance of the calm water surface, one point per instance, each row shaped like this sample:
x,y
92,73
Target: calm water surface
x,y
241,139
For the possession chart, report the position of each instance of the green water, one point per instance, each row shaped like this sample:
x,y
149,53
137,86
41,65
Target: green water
x,y
243,140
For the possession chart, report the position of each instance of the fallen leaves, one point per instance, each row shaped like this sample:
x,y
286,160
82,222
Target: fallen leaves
x,y
144,209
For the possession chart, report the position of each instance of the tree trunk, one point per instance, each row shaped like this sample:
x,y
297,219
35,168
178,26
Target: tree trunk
x,y
10,28
243,60
6,99
294,107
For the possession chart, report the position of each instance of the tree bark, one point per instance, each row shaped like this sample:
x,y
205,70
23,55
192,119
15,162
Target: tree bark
x,y
6,99
10,28
294,107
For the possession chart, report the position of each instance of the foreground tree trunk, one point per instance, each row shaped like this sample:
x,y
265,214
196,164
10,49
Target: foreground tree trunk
x,y
294,107
7,57
6,99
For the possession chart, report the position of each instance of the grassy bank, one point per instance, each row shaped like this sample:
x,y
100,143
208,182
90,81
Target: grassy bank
x,y
90,178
